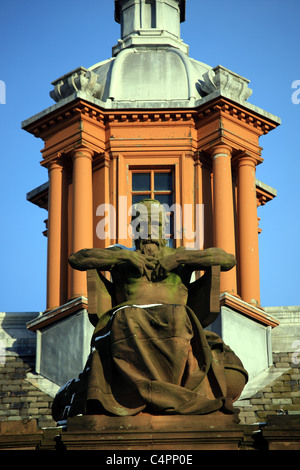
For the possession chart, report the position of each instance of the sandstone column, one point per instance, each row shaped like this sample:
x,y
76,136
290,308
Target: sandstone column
x,y
54,235
248,231
82,213
223,212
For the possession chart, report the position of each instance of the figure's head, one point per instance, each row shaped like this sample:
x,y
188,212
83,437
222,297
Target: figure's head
x,y
148,223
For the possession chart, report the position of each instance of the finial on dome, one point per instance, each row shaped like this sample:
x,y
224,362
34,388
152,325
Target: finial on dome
x,y
120,3
150,22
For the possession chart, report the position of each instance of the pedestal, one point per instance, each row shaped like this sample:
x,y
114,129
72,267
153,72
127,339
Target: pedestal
x,y
282,432
147,432
63,341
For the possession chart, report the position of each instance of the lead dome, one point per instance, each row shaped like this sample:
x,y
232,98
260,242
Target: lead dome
x,y
150,65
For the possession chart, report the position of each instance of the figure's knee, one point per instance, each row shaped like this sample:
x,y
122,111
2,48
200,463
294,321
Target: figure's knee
x,y
235,375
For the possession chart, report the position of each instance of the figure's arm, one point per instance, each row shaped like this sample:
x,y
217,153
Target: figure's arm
x,y
106,259
202,259
195,260
95,258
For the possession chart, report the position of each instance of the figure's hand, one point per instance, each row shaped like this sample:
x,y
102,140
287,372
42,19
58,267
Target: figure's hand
x,y
141,262
225,260
165,265
106,259
229,262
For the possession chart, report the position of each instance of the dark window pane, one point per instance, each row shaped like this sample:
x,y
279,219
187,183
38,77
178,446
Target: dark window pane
x,y
163,181
169,224
165,199
141,182
138,197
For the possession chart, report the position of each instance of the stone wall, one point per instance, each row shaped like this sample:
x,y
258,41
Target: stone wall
x,y
277,390
19,398
281,396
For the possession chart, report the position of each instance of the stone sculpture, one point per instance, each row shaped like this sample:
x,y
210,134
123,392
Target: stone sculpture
x,y
149,351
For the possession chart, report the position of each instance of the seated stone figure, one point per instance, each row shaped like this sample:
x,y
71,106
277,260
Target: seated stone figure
x,y
149,351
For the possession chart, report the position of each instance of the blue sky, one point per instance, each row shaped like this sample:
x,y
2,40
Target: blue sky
x,y
42,40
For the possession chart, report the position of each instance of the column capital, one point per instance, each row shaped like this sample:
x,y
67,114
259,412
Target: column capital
x,y
221,149
245,159
84,152
55,163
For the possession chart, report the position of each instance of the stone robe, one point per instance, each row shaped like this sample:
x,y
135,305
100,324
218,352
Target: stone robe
x,y
151,358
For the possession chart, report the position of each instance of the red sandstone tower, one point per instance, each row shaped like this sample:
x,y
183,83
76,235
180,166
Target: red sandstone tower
x,y
150,121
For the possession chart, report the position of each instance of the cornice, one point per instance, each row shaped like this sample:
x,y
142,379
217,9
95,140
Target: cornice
x,y
219,105
256,313
264,193
76,110
84,109
223,107
57,314
154,116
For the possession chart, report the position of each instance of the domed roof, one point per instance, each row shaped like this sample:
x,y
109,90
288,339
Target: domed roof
x,y
150,65
142,76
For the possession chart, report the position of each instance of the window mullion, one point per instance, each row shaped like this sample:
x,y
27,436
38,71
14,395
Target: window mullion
x,y
152,185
